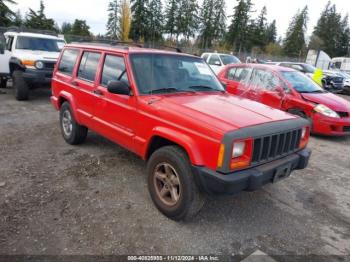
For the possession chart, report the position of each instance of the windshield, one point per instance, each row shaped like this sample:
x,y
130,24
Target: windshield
x,y
229,59
301,83
309,68
39,44
164,73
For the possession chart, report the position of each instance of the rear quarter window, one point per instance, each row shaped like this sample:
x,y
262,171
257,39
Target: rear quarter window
x,y
88,66
68,60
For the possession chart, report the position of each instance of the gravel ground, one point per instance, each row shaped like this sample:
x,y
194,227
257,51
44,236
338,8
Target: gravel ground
x,y
92,199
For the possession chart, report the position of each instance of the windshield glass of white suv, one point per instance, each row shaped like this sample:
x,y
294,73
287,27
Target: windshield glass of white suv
x,y
39,44
229,59
301,83
164,73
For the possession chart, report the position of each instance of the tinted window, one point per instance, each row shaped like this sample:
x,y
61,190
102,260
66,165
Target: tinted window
x,y
42,44
68,60
114,69
88,66
265,80
301,83
231,73
242,74
162,73
205,57
214,60
229,59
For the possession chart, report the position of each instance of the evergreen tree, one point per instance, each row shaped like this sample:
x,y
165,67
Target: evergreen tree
x,y
294,43
113,19
139,19
80,28
271,32
260,37
124,20
155,20
189,18
212,21
240,27
171,15
6,14
66,28
331,32
38,20
17,20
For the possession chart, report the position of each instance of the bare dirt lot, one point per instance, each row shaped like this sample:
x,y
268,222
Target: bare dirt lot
x,y
93,199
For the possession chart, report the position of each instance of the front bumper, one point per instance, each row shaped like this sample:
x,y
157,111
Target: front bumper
x,y
331,126
36,76
214,183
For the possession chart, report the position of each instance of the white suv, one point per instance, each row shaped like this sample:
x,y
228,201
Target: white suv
x,y
29,59
218,61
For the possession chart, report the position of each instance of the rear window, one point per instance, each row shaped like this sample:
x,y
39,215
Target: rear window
x,y
88,66
68,60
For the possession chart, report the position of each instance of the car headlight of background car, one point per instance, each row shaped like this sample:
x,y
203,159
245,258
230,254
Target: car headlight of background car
x,y
39,65
324,110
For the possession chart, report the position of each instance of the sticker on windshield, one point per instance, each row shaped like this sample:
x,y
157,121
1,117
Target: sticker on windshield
x,y
203,69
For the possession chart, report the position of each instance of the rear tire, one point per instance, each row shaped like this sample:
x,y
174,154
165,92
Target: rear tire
x,y
3,82
171,184
72,132
20,86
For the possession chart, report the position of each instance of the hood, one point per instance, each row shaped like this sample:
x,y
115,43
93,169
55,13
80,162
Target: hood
x,y
221,112
330,100
36,55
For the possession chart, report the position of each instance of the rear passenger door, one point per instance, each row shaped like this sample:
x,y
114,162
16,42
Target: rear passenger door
x,y
116,114
85,86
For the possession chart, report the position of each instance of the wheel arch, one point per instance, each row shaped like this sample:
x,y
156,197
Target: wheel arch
x,y
163,137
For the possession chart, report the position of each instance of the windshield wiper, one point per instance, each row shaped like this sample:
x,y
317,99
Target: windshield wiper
x,y
164,90
204,87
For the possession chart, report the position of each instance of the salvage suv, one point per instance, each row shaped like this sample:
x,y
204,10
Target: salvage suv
x,y
29,59
170,109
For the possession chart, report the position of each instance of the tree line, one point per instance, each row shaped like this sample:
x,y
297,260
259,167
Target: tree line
x,y
207,26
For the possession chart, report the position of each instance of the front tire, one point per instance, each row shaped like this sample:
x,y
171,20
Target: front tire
x,y
3,82
20,86
171,184
72,132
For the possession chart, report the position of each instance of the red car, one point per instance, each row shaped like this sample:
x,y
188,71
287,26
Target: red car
x,y
171,110
291,91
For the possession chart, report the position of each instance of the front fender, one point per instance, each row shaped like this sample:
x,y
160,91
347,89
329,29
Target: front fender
x,y
183,140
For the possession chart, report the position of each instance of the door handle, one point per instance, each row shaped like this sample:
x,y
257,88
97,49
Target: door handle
x,y
74,83
98,92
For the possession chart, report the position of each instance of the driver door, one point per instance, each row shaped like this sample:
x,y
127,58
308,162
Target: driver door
x,y
116,114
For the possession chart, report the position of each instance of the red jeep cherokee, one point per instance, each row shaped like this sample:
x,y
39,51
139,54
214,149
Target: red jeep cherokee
x,y
289,90
170,109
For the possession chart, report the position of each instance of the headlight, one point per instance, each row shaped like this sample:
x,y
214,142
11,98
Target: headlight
x,y
39,65
324,110
238,149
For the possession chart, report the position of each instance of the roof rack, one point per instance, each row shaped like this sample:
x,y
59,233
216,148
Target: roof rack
x,y
107,42
30,30
177,49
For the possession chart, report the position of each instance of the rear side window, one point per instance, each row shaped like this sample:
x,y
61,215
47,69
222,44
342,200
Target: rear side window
x,y
68,60
205,57
113,70
242,74
231,73
214,60
88,66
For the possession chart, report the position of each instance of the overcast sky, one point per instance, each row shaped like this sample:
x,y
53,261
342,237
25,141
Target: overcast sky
x,y
94,11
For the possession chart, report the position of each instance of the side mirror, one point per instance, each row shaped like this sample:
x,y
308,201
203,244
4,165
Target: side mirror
x,y
217,63
118,87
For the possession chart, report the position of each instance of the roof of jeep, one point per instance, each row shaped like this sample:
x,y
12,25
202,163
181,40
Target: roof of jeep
x,y
124,49
32,35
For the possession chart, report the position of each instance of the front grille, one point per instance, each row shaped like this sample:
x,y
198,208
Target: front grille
x,y
346,128
343,114
275,146
49,65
